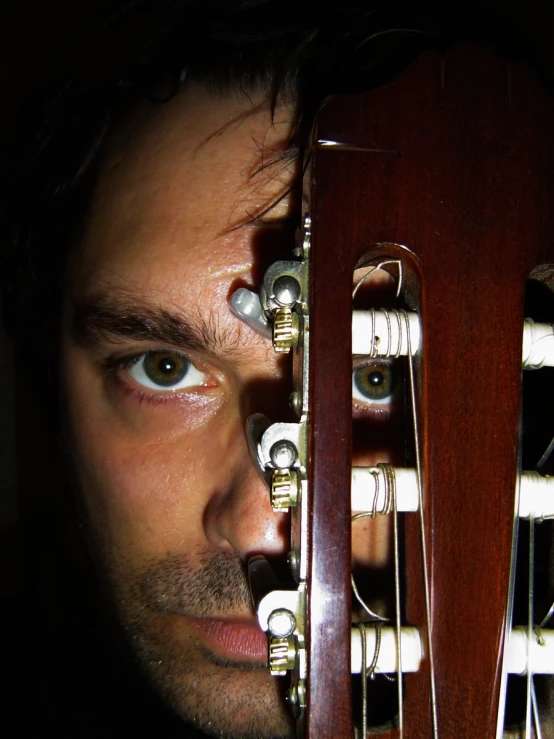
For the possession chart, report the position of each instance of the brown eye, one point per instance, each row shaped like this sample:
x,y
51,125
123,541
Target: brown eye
x,y
160,370
373,383
165,369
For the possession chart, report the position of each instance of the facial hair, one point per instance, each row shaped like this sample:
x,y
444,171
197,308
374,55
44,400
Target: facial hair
x,y
224,698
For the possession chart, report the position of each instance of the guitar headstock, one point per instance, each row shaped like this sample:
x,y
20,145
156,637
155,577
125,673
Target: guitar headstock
x,y
444,178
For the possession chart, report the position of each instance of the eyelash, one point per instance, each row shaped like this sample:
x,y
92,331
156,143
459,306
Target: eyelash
x,y
116,366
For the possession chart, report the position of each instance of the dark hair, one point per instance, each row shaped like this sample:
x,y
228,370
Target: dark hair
x,y
295,46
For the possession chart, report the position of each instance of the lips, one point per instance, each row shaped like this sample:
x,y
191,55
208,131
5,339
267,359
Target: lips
x,y
238,640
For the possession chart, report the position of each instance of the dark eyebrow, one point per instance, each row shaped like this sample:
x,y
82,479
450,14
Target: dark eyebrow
x,y
115,318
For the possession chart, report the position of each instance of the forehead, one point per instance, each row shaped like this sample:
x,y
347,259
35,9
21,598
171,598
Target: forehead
x,y
182,178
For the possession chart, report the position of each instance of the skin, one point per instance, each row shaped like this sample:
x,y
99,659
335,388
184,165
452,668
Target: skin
x,y
173,500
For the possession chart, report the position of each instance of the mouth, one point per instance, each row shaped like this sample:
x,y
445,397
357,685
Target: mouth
x,y
238,640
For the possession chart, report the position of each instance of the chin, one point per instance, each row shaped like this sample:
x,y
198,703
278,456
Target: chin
x,y
236,704
230,700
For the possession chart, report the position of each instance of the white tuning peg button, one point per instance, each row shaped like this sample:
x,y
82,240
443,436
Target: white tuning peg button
x,y
245,304
256,425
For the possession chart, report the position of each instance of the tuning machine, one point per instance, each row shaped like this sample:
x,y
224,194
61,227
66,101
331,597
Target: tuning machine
x,y
281,614
283,297
280,453
278,450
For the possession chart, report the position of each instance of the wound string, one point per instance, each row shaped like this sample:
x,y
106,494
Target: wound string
x,y
422,530
528,706
361,628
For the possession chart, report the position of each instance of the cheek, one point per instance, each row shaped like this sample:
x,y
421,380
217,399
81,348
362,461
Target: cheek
x,y
149,498
146,484
371,542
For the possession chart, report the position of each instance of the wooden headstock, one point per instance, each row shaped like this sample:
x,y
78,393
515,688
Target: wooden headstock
x,y
450,168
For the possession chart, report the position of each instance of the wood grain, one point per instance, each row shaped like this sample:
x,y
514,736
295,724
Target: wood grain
x,y
460,170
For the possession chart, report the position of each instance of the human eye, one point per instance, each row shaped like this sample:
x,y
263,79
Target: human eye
x,y
164,371
374,383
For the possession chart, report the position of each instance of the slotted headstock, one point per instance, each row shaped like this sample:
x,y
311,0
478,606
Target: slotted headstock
x,y
449,168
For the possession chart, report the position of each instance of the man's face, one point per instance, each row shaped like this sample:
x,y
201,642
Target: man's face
x,y
160,378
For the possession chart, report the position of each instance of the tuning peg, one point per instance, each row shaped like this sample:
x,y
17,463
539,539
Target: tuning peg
x,y
245,304
279,614
261,578
256,425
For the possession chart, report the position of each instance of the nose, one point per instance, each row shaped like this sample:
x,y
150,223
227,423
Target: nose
x,y
239,518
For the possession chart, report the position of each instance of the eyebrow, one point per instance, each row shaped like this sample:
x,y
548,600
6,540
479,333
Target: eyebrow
x,y
116,318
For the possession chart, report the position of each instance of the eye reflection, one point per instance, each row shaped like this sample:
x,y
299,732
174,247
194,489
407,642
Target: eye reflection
x,y
165,370
373,383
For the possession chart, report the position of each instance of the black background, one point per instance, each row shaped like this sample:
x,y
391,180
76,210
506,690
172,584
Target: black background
x,y
67,675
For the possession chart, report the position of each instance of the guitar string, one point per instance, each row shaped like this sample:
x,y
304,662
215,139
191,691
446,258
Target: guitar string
x,y
392,482
372,514
536,712
420,495
550,612
422,531
389,505
390,485
529,628
529,713
390,502
357,595
532,712
377,267
536,629
547,618
369,672
501,715
372,667
361,629
365,671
